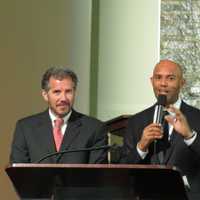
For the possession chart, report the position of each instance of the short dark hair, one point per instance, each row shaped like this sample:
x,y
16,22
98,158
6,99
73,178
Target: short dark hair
x,y
58,72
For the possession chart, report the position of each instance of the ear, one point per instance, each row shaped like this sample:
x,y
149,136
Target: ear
x,y
183,82
45,95
151,79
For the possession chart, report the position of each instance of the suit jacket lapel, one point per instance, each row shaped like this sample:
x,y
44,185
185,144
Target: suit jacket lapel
x,y
73,129
174,138
45,132
173,143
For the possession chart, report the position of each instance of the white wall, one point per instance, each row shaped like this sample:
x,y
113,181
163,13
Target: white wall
x,y
79,49
129,49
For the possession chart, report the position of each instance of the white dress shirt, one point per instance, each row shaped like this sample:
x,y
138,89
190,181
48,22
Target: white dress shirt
x,y
65,118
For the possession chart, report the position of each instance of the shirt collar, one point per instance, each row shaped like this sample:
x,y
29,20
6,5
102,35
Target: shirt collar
x,y
177,104
65,118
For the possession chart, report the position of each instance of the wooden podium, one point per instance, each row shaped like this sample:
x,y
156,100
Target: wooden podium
x,y
116,130
117,125
96,182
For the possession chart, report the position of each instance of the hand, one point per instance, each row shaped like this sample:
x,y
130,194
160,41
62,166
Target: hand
x,y
179,122
150,133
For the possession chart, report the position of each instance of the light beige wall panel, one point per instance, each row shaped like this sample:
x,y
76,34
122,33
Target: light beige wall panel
x,y
79,46
129,40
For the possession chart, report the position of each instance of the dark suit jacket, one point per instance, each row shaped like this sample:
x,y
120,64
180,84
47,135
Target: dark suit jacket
x,y
33,139
186,158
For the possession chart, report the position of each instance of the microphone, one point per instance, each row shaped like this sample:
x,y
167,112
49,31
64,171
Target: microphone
x,y
74,150
159,109
158,118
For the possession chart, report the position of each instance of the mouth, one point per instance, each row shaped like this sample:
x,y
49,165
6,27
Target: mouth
x,y
163,92
62,105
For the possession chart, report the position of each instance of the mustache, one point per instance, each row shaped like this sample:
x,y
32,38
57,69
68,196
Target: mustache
x,y
64,103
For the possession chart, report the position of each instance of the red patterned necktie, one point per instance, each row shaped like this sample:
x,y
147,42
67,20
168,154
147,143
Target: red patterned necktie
x,y
58,136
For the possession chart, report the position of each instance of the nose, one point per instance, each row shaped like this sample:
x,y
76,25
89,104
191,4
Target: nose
x,y
63,96
163,82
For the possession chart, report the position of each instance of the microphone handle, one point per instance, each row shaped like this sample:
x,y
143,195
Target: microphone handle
x,y
158,114
158,118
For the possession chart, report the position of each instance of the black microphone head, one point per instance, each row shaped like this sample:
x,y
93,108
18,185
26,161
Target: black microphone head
x,y
162,100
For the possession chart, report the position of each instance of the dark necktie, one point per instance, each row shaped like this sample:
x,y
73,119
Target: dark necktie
x,y
166,132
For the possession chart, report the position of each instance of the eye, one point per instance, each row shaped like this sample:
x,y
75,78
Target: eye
x,y
157,77
172,78
70,91
56,92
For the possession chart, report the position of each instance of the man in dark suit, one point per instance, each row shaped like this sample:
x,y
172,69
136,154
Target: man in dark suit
x,y
144,140
34,138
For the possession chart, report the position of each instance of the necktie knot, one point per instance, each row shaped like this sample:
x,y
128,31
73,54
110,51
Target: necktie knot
x,y
165,113
58,122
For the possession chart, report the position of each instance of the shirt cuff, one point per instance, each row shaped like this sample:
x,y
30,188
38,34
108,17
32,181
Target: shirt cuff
x,y
188,142
142,154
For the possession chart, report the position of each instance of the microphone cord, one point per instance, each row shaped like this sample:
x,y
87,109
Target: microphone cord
x,y
74,150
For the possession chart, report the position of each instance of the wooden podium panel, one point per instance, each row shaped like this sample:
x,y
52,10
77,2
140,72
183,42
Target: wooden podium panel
x,y
116,130
117,125
96,182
